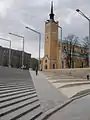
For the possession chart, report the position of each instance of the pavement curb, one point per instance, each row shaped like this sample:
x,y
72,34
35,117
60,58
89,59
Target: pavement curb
x,y
50,112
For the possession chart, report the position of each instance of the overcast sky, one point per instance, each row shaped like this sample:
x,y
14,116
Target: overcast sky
x,y
16,14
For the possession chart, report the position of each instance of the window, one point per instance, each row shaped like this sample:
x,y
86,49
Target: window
x,y
74,64
45,61
62,64
82,64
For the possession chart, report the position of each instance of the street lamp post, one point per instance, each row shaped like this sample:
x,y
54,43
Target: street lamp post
x,y
89,43
39,48
81,13
61,47
23,53
9,50
10,55
22,48
39,42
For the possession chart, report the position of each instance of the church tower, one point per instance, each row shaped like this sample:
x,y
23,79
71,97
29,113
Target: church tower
x,y
50,42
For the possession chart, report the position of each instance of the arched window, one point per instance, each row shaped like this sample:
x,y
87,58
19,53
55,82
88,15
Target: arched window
x,y
62,64
45,61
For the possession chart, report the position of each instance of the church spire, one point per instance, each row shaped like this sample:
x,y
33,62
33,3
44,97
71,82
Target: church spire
x,y
51,14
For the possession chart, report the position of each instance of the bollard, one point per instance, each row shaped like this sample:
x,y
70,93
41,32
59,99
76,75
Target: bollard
x,y
87,77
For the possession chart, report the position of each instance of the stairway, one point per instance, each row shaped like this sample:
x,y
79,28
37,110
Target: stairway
x,y
18,97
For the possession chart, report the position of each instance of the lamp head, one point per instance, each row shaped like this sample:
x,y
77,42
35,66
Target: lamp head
x,y
26,27
9,33
77,10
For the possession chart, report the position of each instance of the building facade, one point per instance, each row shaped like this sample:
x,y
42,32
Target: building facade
x,y
16,58
60,55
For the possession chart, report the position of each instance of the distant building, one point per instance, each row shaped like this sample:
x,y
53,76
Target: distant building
x,y
16,58
76,58
33,63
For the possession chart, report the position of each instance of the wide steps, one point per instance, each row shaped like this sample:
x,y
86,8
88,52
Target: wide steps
x,y
15,101
20,111
18,99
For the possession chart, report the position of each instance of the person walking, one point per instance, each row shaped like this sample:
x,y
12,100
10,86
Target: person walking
x,y
36,71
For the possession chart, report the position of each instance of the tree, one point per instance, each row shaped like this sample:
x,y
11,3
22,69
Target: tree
x,y
85,42
71,40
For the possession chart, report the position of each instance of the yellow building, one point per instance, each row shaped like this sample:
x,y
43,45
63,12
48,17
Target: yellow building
x,y
52,49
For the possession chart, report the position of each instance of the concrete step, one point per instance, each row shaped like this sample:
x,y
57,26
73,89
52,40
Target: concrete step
x,y
2,91
9,84
15,83
16,96
15,87
75,84
16,114
60,77
15,93
15,101
71,91
67,80
11,108
32,115
70,84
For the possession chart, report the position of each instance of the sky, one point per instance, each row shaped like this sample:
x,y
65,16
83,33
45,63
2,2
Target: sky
x,y
16,14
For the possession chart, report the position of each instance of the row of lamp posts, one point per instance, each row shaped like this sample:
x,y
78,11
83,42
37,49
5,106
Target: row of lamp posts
x,y
23,46
35,31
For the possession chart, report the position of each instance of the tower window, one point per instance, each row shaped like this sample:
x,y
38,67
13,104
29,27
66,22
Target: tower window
x,y
45,61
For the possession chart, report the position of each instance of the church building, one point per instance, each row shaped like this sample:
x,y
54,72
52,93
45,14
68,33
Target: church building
x,y
56,53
